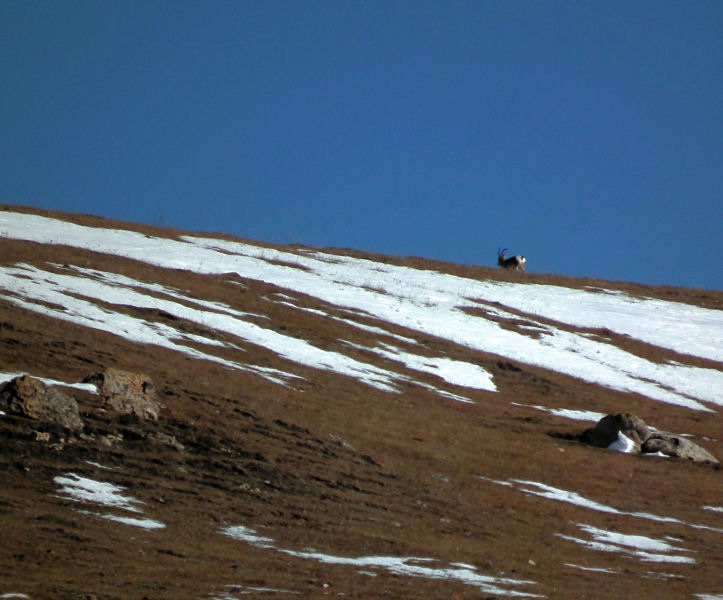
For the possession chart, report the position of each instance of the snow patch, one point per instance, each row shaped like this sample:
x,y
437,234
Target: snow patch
x,y
86,387
592,569
567,413
456,372
547,491
623,444
143,523
83,489
246,590
440,305
410,567
642,547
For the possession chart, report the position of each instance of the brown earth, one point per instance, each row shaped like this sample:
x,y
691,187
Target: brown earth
x,y
330,464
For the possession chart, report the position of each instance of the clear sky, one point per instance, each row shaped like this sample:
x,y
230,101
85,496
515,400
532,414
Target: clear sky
x,y
586,135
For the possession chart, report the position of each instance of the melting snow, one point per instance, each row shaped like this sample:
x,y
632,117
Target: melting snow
x,y
643,547
251,590
86,387
144,523
88,490
82,489
428,302
623,444
411,567
46,290
377,331
567,413
593,569
245,534
424,301
547,491
452,371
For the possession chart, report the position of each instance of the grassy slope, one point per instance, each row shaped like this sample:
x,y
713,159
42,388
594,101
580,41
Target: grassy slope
x,y
333,465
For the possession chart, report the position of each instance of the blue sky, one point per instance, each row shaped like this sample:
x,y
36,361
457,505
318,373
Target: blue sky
x,y
586,135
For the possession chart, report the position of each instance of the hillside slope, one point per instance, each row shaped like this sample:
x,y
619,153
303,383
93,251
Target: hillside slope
x,y
341,424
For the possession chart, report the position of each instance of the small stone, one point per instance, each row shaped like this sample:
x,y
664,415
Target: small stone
x,y
42,436
167,440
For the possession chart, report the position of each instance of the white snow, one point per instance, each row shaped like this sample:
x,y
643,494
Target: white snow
x,y
377,331
410,566
83,489
645,548
86,387
246,534
547,491
456,372
567,413
422,301
623,444
249,590
57,295
543,326
97,465
592,569
143,523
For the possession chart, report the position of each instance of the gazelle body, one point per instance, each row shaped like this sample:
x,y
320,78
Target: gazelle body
x,y
513,262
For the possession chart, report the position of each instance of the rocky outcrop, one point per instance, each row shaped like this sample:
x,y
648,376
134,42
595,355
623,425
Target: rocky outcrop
x,y
609,431
606,431
30,397
127,393
675,445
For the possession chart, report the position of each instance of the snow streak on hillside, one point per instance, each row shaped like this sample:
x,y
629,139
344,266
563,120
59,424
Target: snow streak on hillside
x,y
543,323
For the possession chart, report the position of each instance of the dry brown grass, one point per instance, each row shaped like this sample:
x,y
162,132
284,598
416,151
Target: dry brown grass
x,y
334,465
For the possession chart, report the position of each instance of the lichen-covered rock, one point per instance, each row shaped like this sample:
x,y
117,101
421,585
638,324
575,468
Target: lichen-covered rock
x,y
127,393
31,398
607,429
675,445
629,433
